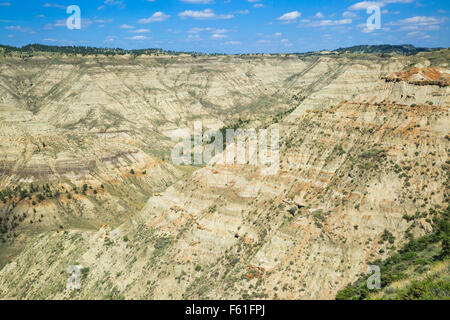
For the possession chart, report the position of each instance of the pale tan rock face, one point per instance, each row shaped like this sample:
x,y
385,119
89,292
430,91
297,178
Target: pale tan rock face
x,y
70,121
356,155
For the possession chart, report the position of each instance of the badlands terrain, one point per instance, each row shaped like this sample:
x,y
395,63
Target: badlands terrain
x,y
86,176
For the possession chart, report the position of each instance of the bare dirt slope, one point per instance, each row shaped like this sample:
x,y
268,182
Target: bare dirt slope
x,y
86,140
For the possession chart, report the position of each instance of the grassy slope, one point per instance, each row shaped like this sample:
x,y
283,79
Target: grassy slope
x,y
419,271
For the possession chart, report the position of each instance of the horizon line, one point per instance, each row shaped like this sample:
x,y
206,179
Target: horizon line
x,y
216,53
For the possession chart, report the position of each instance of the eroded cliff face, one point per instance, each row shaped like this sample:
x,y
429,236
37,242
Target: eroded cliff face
x,y
85,141
358,155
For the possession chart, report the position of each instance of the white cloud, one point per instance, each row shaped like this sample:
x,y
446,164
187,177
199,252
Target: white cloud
x,y
221,31
418,34
156,17
215,33
348,14
419,23
18,28
327,23
363,5
104,20
138,38
194,37
414,33
232,43
205,14
54,5
319,15
256,5
290,16
126,26
286,42
117,3
198,30
109,39
140,31
420,20
218,36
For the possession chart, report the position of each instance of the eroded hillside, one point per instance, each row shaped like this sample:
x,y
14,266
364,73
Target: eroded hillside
x,y
85,140
359,155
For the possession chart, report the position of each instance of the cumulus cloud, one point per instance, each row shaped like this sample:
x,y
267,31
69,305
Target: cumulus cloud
x,y
140,31
327,23
218,36
290,16
156,17
319,15
205,14
18,28
110,39
286,42
348,14
117,3
420,20
363,5
194,37
215,33
138,38
232,43
126,26
54,5
419,23
198,30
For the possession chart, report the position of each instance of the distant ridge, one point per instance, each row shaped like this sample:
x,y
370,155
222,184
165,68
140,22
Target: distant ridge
x,y
406,49
84,50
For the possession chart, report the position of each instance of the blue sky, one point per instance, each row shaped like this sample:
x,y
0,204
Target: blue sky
x,y
228,26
